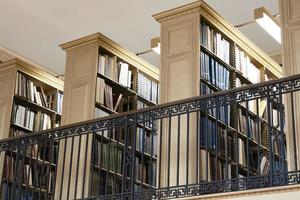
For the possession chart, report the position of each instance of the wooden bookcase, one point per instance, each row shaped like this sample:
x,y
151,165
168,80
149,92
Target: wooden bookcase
x,y
203,53
102,78
30,101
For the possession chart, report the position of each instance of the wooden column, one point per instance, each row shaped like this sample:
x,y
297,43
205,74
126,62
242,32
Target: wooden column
x,y
180,78
78,105
7,78
290,19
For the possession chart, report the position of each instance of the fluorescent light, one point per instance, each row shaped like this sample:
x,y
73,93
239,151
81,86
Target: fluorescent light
x,y
155,45
267,22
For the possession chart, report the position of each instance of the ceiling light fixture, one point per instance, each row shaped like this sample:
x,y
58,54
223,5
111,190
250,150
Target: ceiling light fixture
x,y
155,46
267,22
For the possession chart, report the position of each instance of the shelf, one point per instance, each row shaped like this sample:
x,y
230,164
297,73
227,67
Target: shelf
x,y
34,106
104,108
243,79
117,86
120,176
215,57
212,86
29,187
22,128
145,100
31,159
121,146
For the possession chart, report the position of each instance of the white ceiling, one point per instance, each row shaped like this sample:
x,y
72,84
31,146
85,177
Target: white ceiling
x,y
35,28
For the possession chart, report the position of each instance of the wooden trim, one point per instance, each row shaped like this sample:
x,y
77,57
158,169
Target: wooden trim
x,y
34,71
115,49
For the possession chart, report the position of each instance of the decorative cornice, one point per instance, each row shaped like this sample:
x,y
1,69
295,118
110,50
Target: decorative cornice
x,y
116,49
35,71
178,12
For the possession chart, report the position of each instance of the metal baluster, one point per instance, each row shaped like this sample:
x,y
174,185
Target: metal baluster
x,y
29,172
197,146
94,145
282,135
270,118
124,168
187,147
294,132
258,137
49,167
178,151
248,121
85,160
63,167
77,165
22,171
160,152
169,149
133,156
70,166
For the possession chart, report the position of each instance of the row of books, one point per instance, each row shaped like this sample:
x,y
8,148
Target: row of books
x,y
40,177
214,72
54,101
246,67
248,125
22,193
145,171
104,183
25,117
209,132
213,169
147,88
215,42
247,158
145,143
117,71
36,152
108,156
113,100
223,113
28,89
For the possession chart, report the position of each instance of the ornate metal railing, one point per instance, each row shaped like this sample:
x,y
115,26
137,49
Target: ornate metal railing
x,y
240,139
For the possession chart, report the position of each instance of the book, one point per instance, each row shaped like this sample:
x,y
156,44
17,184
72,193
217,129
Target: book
x,y
124,72
214,72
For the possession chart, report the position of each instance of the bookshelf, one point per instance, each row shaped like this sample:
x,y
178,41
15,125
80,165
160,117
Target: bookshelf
x,y
31,101
208,55
103,78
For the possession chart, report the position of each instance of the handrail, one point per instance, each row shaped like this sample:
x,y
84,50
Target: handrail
x,y
215,95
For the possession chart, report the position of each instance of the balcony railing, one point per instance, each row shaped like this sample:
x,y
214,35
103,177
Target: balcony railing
x,y
241,139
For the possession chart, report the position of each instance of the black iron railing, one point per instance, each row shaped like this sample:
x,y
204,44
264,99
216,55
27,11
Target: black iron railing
x,y
240,139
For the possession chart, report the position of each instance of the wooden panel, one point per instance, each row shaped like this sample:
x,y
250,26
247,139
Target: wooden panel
x,y
78,105
81,62
294,7
180,35
183,32
179,78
